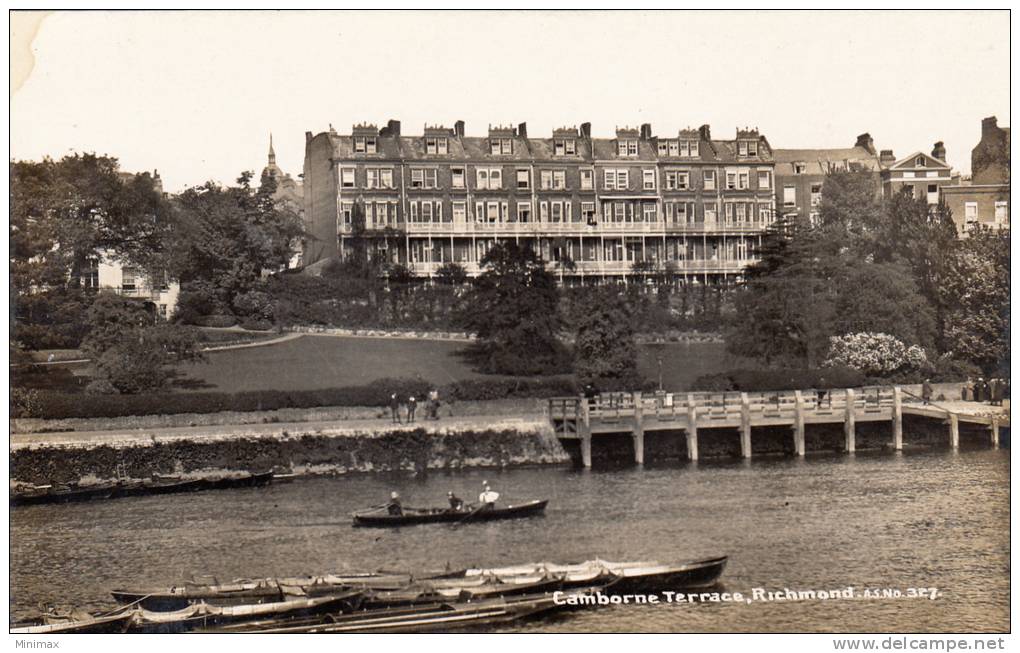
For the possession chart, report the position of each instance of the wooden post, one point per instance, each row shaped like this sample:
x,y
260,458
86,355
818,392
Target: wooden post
x,y
745,425
585,432
954,431
897,419
995,431
639,430
692,428
849,422
798,424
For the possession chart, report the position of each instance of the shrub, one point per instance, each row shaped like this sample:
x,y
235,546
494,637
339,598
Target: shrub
x,y
219,321
876,354
509,388
255,324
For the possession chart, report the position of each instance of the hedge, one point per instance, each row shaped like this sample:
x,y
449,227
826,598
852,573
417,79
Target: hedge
x,y
779,379
59,405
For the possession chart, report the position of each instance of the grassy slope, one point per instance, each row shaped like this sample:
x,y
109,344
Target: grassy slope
x,y
315,362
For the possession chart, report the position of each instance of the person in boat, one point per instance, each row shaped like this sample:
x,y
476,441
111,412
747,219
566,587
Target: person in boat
x,y
456,503
488,497
394,507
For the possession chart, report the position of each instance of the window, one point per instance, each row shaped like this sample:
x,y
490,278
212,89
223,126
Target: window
x,y
346,211
648,179
674,148
457,177
741,212
501,146
681,212
417,178
426,211
460,212
559,179
619,211
764,179
689,148
493,211
742,148
710,180
970,211
128,279
1001,213
789,195
436,145
563,147
616,179
799,168
743,180
588,213
359,144
545,177
524,211
919,162
933,193
663,148
932,173
609,179
523,178
89,274
909,174
488,178
543,211
752,148
379,178
710,211
347,177
556,211
587,179
626,147
816,194
650,211
731,181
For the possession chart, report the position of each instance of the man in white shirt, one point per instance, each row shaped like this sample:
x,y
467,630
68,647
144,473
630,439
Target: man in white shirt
x,y
487,498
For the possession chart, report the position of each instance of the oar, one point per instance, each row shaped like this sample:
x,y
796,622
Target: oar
x,y
471,514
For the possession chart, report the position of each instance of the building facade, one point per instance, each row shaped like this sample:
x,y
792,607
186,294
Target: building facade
x,y
685,205
921,174
801,173
984,198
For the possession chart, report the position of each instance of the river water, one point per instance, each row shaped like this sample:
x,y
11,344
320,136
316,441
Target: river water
x,y
882,521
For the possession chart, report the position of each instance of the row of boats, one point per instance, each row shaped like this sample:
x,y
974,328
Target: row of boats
x,y
379,601
24,495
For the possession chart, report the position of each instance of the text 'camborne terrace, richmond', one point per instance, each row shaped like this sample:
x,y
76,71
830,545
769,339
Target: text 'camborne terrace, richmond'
x,y
684,204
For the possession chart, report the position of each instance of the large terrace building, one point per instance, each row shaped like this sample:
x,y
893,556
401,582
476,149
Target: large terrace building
x,y
685,204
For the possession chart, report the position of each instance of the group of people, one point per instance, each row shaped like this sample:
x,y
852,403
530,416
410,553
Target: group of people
x,y
992,391
486,500
407,407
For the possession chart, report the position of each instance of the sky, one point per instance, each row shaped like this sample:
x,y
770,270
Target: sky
x,y
196,94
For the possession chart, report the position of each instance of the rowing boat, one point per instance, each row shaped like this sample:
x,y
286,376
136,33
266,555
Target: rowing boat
x,y
54,624
447,515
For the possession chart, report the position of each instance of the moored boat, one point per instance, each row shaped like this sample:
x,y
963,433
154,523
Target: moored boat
x,y
409,517
55,624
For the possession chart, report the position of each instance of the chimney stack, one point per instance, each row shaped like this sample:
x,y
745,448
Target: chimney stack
x,y
392,128
886,158
586,129
458,128
939,151
865,141
989,126
522,130
705,132
308,136
646,132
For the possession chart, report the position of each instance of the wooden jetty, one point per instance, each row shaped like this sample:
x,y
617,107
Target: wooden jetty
x,y
583,419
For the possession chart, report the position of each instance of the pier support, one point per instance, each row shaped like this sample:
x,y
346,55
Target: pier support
x,y
954,431
849,422
745,426
584,431
798,424
995,431
692,428
897,419
639,430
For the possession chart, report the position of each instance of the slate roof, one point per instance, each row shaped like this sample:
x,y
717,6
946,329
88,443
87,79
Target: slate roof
x,y
818,160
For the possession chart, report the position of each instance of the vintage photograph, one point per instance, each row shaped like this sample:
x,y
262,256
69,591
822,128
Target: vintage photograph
x,y
510,321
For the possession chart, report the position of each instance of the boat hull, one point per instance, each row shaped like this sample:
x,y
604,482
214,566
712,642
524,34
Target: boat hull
x,y
450,516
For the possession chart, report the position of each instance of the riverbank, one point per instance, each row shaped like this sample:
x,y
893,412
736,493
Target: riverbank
x,y
300,447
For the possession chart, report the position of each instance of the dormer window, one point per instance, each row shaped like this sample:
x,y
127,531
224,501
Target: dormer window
x,y
626,147
688,148
747,148
564,147
436,145
919,162
364,144
799,168
674,148
501,146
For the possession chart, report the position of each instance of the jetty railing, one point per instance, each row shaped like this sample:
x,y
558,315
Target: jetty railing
x,y
637,412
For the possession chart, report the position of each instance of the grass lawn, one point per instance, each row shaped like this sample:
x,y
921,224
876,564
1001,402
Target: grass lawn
x,y
314,362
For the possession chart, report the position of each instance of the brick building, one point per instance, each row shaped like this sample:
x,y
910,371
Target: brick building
x,y
685,204
921,174
801,173
984,198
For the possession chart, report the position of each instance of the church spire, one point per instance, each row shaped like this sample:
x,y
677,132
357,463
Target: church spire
x,y
272,154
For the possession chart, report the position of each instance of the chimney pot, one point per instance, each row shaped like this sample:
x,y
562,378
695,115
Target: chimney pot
x,y
586,129
522,130
458,128
705,132
646,131
939,151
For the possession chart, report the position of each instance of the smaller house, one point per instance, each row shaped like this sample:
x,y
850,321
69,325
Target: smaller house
x,y
921,174
110,274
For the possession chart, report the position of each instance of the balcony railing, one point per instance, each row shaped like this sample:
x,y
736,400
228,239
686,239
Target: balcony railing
x,y
575,228
606,267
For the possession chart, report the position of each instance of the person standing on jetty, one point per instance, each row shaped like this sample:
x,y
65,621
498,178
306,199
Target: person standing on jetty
x,y
926,391
412,403
395,408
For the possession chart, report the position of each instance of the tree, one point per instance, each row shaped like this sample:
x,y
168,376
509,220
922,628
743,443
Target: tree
x,y
605,352
65,215
976,293
132,350
513,308
230,236
451,274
